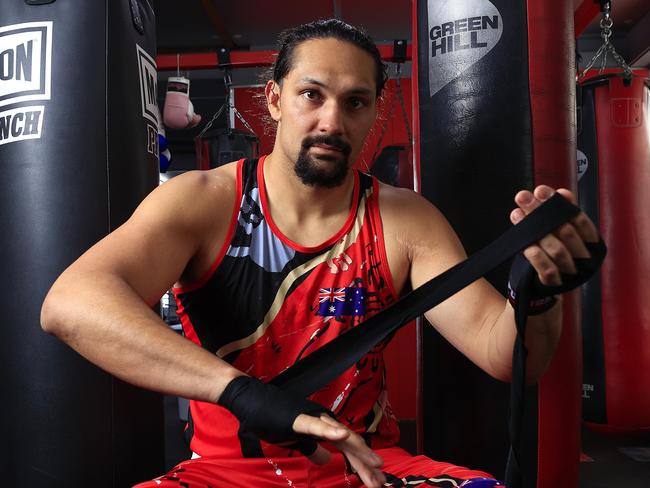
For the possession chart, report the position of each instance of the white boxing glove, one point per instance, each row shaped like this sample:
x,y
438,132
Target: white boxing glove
x,y
178,112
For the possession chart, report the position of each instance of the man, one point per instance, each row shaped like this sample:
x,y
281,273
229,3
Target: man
x,y
272,259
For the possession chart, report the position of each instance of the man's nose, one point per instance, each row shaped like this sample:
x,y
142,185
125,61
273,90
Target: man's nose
x,y
331,120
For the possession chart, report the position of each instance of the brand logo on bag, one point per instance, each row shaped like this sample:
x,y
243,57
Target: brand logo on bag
x,y
583,164
152,140
25,75
148,85
25,62
21,123
459,36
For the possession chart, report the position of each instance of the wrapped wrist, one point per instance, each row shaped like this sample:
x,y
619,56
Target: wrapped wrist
x,y
265,410
536,306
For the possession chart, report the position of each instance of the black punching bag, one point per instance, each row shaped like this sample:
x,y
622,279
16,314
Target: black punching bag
x,y
78,152
495,98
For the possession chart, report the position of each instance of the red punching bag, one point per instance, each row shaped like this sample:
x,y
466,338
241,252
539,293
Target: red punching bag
x,y
614,163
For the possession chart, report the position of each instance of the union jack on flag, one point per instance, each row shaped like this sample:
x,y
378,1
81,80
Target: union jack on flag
x,y
331,294
340,302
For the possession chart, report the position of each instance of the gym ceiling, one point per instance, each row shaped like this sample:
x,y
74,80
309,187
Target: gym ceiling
x,y
207,25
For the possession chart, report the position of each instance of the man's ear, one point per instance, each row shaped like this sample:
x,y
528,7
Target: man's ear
x,y
272,93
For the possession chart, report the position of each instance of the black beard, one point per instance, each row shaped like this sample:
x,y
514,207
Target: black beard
x,y
328,175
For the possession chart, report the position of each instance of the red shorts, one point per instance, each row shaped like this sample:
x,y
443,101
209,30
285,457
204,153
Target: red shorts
x,y
298,472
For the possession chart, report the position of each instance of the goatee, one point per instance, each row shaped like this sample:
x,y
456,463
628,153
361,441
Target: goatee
x,y
325,171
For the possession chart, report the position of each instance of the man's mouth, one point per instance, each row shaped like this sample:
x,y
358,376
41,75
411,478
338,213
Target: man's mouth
x,y
327,147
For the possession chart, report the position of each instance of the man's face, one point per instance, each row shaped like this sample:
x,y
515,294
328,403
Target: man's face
x,y
326,108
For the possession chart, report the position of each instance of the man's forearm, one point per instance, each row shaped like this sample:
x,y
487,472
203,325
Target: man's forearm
x,y
104,320
542,336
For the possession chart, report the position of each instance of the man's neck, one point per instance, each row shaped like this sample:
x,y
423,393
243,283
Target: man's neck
x,y
299,208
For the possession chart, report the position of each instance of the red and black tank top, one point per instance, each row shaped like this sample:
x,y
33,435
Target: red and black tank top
x,y
266,302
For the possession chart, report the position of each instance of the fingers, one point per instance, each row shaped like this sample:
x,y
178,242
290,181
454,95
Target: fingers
x,y
355,444
365,463
529,201
316,427
583,224
547,271
370,476
363,460
552,256
572,240
554,253
568,194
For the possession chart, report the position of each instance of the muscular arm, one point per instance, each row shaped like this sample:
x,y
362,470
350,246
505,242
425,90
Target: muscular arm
x,y
478,321
101,305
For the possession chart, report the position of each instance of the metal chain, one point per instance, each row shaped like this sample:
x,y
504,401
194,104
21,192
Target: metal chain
x,y
243,121
407,125
227,80
211,121
391,111
606,22
606,48
384,126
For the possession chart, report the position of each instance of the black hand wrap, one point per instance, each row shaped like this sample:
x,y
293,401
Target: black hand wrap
x,y
541,296
268,412
527,290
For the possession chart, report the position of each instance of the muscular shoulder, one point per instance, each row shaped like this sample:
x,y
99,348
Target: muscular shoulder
x,y
195,207
203,201
394,200
411,218
211,184
167,233
196,198
414,228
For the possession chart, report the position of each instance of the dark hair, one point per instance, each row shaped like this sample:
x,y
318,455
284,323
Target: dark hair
x,y
323,29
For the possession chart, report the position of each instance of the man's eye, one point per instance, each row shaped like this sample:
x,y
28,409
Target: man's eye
x,y
356,103
310,94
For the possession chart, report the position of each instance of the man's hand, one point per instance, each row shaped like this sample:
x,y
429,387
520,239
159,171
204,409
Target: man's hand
x,y
275,416
363,460
553,255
